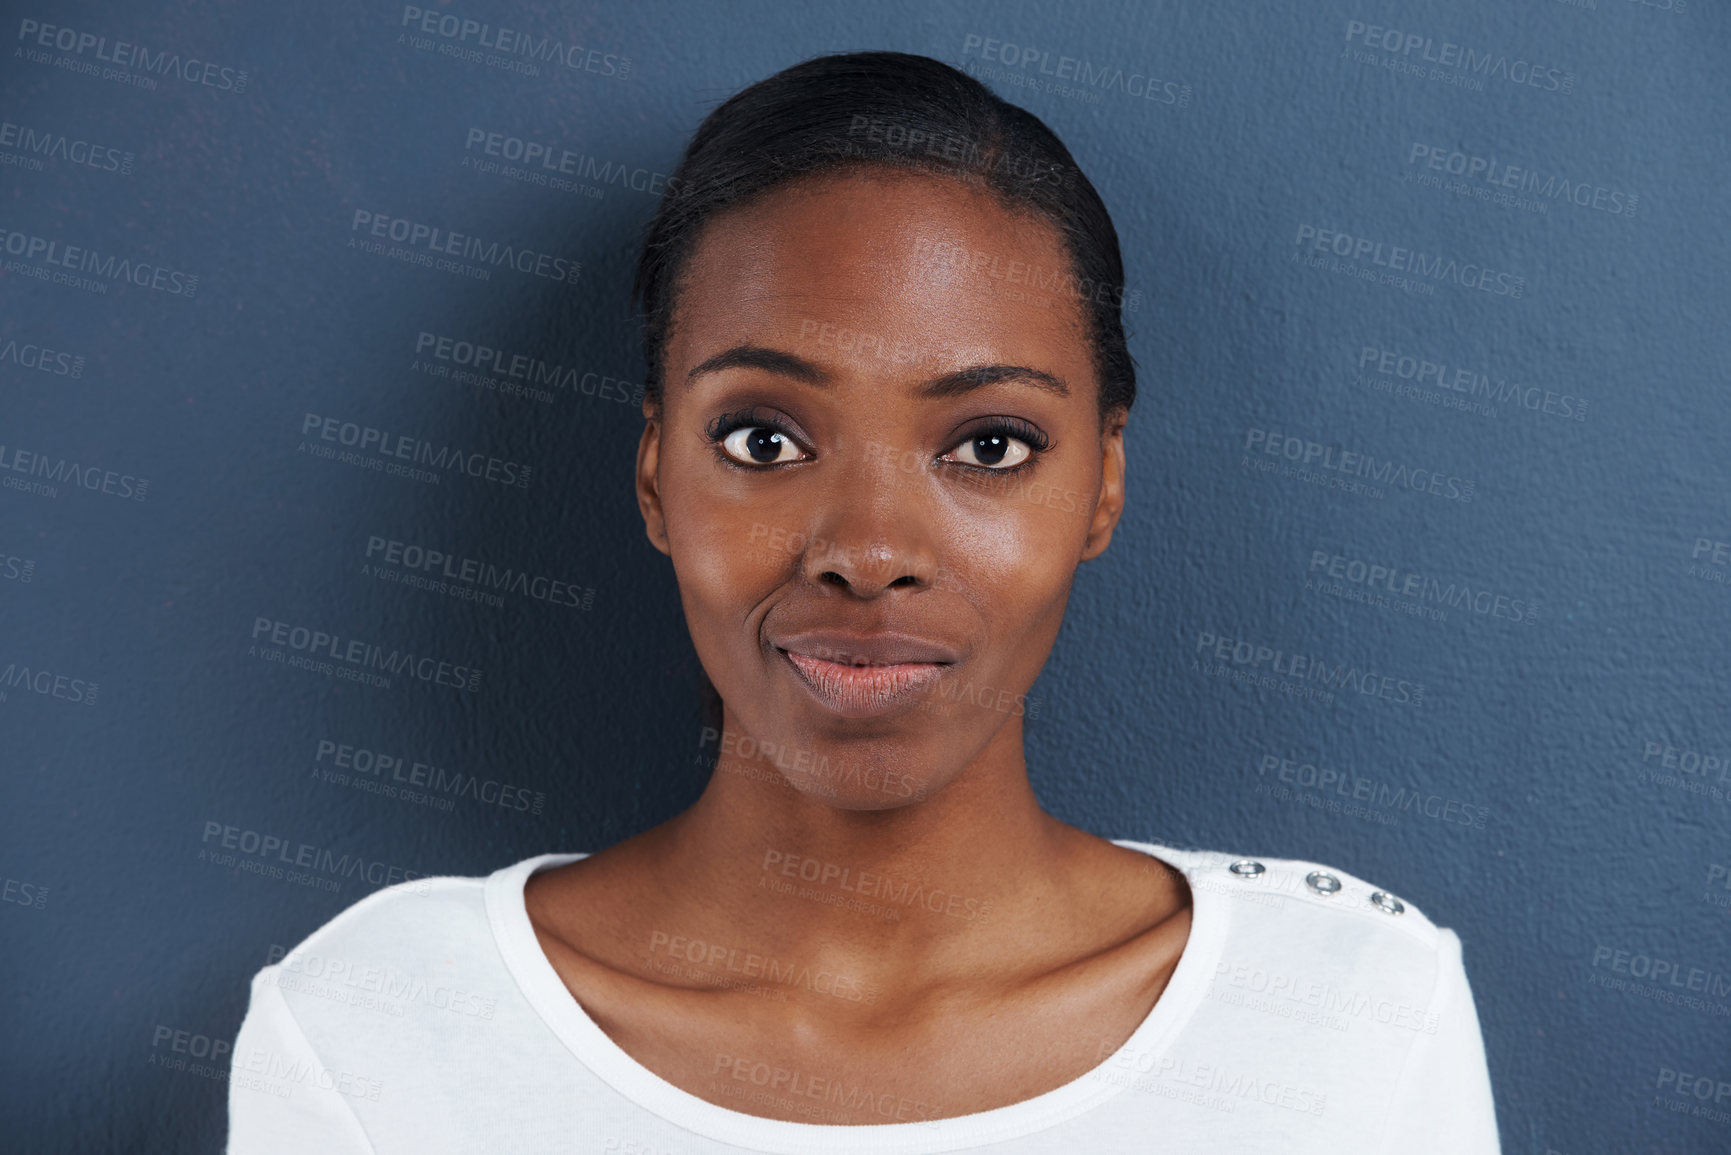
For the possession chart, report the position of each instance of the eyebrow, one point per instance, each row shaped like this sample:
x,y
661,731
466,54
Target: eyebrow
x,y
758,357
949,385
977,376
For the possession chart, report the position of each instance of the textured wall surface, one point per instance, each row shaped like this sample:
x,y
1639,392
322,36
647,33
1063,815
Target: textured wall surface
x,y
1424,572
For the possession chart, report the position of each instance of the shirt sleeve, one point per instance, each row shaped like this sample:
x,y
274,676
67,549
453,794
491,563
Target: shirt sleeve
x,y
1443,1104
281,1096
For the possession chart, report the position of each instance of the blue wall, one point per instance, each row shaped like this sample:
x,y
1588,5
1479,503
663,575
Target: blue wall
x,y
1485,252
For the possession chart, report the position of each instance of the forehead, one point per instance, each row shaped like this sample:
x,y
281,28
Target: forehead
x,y
939,270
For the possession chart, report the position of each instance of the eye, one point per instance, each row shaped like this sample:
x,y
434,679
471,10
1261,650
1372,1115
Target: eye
x,y
993,449
759,445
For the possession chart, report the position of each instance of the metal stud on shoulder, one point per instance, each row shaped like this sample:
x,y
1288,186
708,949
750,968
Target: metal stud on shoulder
x,y
1247,868
1322,882
1387,903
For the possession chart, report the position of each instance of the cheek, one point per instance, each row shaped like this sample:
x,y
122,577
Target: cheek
x,y
1016,557
728,556
1027,529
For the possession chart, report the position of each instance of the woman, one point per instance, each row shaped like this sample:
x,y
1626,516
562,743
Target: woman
x,y
888,390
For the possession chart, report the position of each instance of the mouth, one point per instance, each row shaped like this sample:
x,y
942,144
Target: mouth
x,y
864,676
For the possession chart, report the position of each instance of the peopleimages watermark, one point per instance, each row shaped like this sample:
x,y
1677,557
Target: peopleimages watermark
x,y
1320,460
1665,972
875,885
1704,1089
1674,7
1686,768
38,680
42,358
373,446
863,343
354,659
54,260
1047,282
444,572
1458,64
268,854
372,986
14,568
1356,788
790,1088
276,1073
64,471
1248,985
548,164
27,147
1374,260
1376,578
1420,378
1490,174
962,151
1256,658
346,764
125,58
511,48
1719,552
1710,561
804,763
424,244
1070,76
1718,875
191,1046
26,894
1165,1071
524,374
828,898
753,964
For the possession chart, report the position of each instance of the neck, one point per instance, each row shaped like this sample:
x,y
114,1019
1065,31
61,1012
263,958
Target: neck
x,y
930,877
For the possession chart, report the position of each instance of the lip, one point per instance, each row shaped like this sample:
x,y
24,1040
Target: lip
x,y
866,647
864,675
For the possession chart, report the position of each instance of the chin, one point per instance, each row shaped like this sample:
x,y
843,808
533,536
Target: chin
x,y
880,780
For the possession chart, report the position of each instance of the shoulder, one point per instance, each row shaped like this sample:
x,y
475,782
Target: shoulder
x,y
425,945
402,920
1338,990
1309,891
409,982
1311,932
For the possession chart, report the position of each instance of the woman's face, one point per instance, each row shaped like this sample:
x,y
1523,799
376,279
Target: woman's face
x,y
877,462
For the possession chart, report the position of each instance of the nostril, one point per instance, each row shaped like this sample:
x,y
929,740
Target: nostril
x,y
829,575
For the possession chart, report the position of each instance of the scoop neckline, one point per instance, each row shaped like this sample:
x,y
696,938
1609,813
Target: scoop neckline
x,y
546,992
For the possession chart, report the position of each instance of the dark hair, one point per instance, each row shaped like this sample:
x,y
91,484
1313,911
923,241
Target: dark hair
x,y
896,110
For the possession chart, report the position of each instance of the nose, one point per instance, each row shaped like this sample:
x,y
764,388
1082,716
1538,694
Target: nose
x,y
872,530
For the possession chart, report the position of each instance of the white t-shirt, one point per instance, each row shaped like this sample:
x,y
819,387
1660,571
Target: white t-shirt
x,y
1301,1019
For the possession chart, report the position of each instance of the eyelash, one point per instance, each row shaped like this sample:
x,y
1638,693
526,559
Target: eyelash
x,y
1036,441
727,423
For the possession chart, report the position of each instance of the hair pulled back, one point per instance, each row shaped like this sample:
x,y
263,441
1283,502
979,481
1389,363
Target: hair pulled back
x,y
893,110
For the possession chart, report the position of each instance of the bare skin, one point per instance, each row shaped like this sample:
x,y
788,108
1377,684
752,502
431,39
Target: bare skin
x,y
880,899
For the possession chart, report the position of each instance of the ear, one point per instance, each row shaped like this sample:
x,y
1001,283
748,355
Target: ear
x,y
1111,504
649,478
